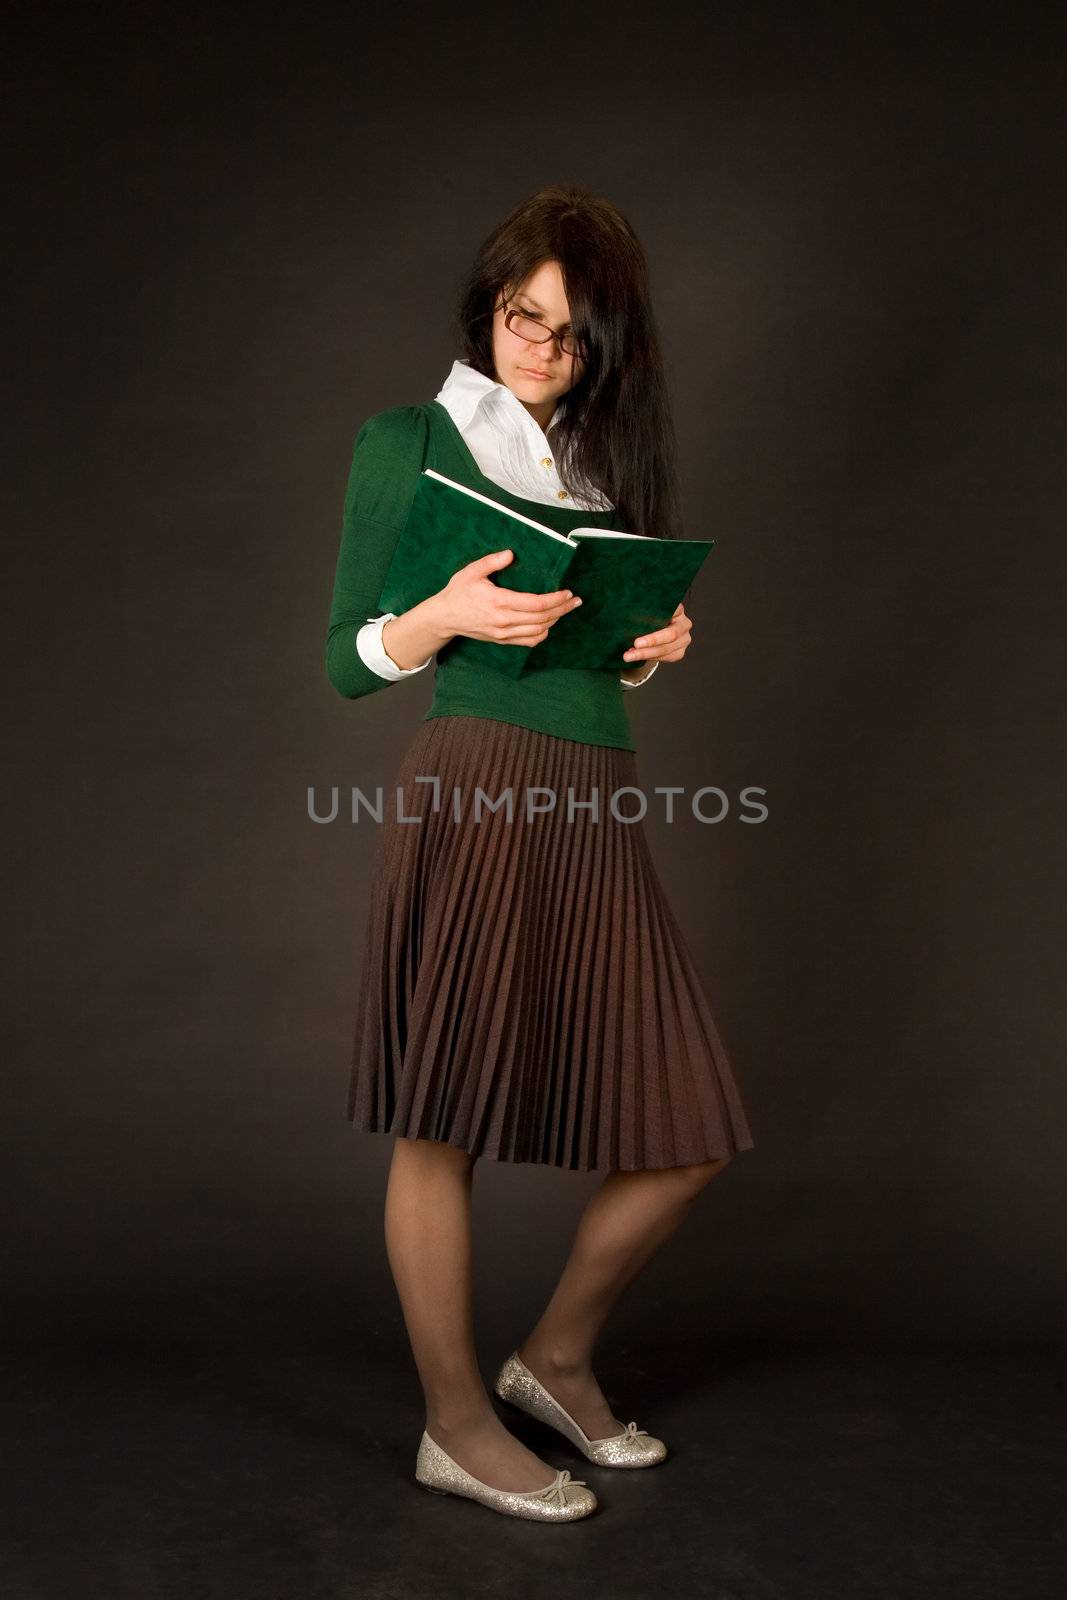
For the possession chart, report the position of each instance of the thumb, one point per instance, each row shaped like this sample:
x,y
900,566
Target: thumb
x,y
490,563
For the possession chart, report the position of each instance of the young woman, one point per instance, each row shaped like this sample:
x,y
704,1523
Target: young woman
x,y
527,994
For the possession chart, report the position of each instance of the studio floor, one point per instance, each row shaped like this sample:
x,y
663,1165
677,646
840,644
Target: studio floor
x,y
272,1457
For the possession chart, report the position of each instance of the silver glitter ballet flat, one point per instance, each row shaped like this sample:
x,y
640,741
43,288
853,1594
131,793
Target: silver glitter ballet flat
x,y
565,1499
633,1447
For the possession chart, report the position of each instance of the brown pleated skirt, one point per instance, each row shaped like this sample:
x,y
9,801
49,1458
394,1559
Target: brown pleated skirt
x,y
526,992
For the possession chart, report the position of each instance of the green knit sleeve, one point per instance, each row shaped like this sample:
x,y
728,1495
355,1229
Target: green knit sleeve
x,y
389,453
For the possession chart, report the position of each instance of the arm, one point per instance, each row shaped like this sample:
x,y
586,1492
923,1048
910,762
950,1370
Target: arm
x,y
386,461
418,634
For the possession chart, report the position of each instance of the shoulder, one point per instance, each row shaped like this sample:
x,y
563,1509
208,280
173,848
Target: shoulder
x,y
390,452
400,430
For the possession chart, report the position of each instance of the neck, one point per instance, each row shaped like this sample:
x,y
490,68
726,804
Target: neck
x,y
541,411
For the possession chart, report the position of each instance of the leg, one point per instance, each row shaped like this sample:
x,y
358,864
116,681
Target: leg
x,y
428,1242
627,1219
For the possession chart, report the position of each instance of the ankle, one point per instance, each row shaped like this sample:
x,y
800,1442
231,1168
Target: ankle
x,y
554,1358
458,1421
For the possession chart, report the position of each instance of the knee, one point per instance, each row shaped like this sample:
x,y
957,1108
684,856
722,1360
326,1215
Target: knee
x,y
695,1176
437,1152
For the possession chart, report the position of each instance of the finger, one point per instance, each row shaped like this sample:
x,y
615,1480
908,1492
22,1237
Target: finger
x,y
531,604
641,656
524,634
538,624
662,636
540,618
489,563
659,636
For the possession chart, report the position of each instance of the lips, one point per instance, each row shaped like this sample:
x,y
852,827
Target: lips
x,y
531,373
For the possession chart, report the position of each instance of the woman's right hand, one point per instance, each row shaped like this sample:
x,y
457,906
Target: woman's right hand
x,y
473,605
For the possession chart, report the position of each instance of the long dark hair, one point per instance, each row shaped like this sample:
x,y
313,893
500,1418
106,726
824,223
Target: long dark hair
x,y
615,430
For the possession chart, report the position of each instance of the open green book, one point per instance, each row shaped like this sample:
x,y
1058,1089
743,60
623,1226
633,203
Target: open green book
x,y
630,583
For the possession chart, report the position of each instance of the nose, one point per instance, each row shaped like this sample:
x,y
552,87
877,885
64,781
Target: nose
x,y
543,351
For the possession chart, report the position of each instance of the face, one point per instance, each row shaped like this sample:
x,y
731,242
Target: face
x,y
537,374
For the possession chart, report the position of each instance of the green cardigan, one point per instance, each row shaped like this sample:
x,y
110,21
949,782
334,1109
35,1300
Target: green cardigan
x,y
391,449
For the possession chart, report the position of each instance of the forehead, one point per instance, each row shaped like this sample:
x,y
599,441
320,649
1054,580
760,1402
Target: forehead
x,y
543,289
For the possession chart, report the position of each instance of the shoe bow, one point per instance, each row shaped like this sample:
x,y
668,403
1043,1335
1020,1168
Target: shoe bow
x,y
631,1431
557,1492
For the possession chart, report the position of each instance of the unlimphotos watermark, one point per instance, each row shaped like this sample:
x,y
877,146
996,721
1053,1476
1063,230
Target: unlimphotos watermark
x,y
707,804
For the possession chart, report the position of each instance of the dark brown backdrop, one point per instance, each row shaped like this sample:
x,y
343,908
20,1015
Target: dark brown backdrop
x,y
234,243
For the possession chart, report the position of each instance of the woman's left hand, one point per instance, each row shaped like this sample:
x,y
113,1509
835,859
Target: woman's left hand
x,y
666,644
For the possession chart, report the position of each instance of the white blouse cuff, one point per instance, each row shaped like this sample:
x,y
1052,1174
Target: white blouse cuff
x,y
636,684
374,654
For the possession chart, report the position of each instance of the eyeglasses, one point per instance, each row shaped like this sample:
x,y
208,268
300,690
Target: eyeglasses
x,y
530,328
